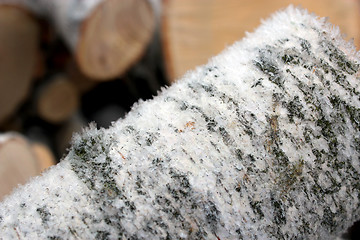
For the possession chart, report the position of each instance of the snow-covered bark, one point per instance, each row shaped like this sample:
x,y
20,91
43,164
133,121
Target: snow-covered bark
x,y
260,143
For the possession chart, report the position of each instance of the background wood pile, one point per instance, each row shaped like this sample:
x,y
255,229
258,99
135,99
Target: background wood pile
x,y
48,89
126,50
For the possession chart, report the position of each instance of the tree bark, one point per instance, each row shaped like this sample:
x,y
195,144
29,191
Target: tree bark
x,y
260,143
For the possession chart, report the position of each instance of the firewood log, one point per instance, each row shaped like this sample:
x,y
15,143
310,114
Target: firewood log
x,y
262,142
21,160
19,36
44,156
114,37
57,100
17,162
106,36
193,31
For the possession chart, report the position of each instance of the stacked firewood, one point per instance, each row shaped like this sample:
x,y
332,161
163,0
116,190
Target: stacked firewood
x,y
64,64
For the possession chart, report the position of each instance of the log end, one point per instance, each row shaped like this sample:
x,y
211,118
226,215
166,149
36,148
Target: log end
x,y
57,101
113,37
17,163
19,34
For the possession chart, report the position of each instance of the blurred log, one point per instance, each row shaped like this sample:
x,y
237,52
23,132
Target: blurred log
x,y
57,100
17,162
19,35
20,160
113,37
44,156
106,36
194,31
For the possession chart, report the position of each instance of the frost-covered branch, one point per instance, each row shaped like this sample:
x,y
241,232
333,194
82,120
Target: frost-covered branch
x,y
260,143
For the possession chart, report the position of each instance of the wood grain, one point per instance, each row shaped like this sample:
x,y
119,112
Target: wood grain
x,y
193,31
19,34
57,100
17,163
113,37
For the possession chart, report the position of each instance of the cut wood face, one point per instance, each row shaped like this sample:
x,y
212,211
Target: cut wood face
x,y
45,158
113,37
19,34
58,100
194,31
17,164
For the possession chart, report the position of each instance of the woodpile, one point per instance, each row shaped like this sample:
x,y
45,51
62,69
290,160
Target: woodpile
x,y
105,38
57,100
60,64
114,37
19,37
65,63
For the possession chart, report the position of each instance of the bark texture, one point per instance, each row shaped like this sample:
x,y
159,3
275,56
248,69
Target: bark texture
x,y
260,143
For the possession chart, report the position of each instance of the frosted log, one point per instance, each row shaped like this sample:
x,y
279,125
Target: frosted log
x,y
260,143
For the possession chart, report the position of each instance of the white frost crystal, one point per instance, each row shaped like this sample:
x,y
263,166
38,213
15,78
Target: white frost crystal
x,y
260,143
